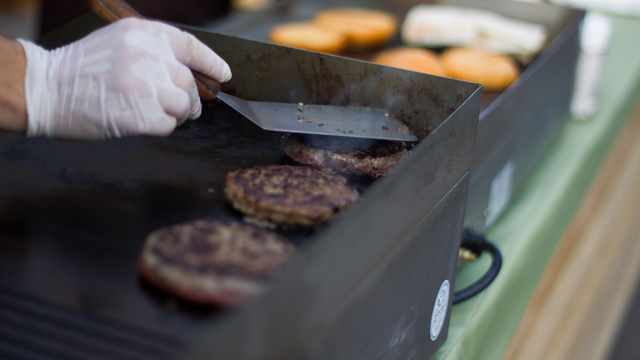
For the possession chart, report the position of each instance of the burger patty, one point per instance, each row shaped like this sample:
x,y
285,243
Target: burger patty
x,y
345,155
288,195
212,262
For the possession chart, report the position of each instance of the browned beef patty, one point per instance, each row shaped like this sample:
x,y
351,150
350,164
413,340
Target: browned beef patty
x,y
288,195
212,262
344,155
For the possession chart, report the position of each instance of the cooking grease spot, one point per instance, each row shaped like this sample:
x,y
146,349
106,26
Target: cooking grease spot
x,y
304,119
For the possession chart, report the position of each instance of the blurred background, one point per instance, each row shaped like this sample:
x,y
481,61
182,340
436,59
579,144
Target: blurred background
x,y
30,19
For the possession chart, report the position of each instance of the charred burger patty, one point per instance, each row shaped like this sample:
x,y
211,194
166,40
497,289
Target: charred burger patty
x,y
344,155
212,262
288,195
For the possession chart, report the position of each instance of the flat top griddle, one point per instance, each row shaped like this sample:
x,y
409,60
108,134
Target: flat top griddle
x,y
74,215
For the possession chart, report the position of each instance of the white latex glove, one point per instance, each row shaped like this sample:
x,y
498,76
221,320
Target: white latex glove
x,y
129,78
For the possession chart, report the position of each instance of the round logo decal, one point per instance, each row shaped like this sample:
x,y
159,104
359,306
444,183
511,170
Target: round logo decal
x,y
439,310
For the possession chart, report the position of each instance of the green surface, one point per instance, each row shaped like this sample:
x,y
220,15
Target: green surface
x,y
531,227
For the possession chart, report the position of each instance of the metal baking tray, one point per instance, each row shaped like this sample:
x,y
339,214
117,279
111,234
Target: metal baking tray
x,y
372,283
516,126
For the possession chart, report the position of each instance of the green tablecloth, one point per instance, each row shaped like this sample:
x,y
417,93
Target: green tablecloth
x,y
528,231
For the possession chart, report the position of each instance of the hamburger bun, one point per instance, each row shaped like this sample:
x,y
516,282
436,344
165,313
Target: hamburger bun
x,y
308,36
496,72
410,58
363,28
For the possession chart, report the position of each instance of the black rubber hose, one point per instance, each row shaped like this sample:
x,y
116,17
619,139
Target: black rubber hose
x,y
477,244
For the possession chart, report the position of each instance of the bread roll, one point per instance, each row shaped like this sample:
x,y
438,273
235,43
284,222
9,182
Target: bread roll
x,y
410,58
496,72
307,35
364,29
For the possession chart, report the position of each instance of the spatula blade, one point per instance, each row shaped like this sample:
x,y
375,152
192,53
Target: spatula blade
x,y
322,119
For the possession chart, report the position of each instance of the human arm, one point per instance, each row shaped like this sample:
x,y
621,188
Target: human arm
x,y
13,108
129,78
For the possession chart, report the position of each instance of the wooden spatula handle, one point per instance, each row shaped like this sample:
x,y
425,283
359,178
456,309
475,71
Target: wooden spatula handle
x,y
114,10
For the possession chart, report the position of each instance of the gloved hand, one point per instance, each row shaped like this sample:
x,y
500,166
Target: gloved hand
x,y
129,78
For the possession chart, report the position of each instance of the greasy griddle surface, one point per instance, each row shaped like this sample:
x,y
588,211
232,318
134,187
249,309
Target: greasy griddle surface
x,y
74,215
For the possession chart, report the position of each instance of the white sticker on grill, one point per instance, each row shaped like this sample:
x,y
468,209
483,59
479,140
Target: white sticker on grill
x,y
439,313
500,193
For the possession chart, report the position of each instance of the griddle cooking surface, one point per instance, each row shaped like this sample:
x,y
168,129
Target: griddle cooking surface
x,y
74,215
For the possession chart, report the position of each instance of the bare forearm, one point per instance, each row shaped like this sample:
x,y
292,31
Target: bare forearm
x,y
13,108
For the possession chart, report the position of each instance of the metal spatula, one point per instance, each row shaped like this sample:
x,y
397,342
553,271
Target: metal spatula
x,y
287,117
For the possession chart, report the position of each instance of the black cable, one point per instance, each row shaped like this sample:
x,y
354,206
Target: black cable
x,y
477,244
